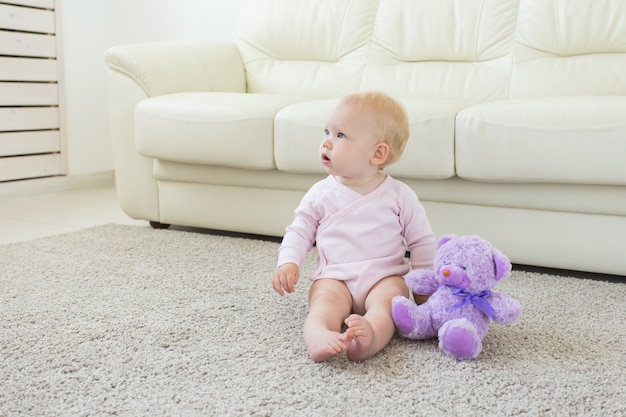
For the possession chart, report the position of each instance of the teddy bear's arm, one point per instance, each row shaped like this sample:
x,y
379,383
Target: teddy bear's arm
x,y
421,281
506,309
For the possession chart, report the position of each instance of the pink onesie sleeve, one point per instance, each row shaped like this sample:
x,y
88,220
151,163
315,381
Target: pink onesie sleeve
x,y
300,234
418,233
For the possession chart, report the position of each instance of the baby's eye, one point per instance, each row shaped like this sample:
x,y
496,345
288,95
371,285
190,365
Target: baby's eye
x,y
341,135
326,132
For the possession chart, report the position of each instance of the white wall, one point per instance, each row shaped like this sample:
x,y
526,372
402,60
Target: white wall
x,y
88,28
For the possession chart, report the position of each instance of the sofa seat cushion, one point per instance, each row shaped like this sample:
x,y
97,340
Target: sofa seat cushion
x,y
224,129
578,140
429,154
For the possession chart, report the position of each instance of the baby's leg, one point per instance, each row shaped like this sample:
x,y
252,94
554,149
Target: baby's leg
x,y
330,303
374,330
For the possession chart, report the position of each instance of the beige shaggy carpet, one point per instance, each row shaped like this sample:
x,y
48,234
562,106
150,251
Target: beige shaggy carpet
x,y
130,321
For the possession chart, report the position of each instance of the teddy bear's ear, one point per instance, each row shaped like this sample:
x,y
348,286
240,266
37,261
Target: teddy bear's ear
x,y
502,264
445,239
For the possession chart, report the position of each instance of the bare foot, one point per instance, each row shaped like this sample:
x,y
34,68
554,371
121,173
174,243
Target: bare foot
x,y
327,344
363,343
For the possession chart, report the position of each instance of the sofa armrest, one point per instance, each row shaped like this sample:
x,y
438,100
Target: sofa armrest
x,y
140,71
184,66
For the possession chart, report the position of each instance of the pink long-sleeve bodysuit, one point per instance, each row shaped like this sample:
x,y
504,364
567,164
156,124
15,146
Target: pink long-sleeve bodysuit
x,y
360,238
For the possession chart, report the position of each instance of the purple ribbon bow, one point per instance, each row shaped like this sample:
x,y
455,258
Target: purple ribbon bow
x,y
479,300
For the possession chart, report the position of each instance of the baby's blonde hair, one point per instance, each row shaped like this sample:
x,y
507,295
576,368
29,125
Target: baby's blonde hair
x,y
390,117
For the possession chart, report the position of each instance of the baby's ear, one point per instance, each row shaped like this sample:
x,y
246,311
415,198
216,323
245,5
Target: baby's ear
x,y
380,155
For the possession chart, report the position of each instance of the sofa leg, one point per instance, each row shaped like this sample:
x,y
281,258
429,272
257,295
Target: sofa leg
x,y
159,225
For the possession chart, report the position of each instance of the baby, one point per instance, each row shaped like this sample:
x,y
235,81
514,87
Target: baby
x,y
362,222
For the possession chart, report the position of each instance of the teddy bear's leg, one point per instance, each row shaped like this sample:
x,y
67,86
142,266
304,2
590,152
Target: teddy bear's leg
x,y
412,321
459,338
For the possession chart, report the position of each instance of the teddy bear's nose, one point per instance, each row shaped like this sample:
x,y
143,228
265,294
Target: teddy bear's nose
x,y
455,276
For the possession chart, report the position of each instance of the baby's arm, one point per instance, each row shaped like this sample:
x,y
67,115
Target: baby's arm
x,y
417,232
297,242
421,243
285,278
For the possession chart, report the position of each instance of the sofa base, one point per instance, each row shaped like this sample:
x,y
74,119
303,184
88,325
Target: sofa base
x,y
547,238
553,239
237,209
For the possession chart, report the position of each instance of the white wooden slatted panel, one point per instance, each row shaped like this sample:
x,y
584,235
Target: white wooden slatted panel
x,y
28,94
27,44
28,69
26,19
30,139
28,118
27,143
32,166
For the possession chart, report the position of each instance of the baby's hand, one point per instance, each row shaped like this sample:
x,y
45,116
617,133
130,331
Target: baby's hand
x,y
285,278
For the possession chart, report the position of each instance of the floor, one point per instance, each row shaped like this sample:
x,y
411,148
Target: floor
x,y
37,214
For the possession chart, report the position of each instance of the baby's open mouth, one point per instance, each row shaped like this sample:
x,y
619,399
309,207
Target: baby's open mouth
x,y
325,158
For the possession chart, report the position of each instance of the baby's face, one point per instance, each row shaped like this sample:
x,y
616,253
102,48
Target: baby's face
x,y
349,142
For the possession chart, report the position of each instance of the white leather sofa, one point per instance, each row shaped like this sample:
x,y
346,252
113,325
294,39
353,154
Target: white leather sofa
x,y
517,110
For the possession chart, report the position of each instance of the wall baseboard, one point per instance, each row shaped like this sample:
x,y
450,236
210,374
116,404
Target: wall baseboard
x,y
57,184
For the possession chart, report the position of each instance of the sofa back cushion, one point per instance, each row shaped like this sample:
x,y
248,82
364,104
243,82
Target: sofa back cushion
x,y
443,49
570,47
306,48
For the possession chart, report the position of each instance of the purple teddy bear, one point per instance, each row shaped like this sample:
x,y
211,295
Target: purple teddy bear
x,y
466,268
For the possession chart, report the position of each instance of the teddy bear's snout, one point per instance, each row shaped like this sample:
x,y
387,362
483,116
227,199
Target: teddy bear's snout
x,y
454,276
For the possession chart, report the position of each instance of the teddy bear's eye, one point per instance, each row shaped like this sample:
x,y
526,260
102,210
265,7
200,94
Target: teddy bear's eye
x,y
463,268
